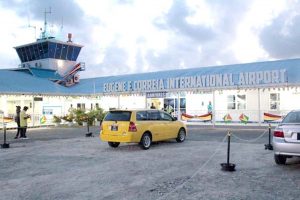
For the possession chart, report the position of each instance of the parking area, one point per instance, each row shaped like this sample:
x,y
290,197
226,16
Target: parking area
x,y
61,163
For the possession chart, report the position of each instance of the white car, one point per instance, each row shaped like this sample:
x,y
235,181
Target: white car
x,y
286,138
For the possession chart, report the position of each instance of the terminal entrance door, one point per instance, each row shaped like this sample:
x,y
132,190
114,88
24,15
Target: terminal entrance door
x,y
174,102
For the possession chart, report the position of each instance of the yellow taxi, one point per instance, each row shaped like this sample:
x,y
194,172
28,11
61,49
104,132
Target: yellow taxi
x,y
141,126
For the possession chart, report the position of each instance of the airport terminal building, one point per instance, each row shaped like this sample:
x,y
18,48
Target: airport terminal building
x,y
47,81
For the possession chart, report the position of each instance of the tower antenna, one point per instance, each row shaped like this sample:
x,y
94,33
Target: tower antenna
x,y
44,33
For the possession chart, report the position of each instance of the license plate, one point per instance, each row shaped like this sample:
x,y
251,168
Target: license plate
x,y
114,128
298,136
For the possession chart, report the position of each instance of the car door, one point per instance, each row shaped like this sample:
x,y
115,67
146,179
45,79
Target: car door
x,y
154,124
168,126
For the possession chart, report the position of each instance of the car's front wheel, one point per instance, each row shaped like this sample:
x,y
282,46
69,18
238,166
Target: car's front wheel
x,y
181,135
113,144
280,159
146,141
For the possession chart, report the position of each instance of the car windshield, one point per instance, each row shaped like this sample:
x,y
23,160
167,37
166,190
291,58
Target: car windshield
x,y
118,116
292,117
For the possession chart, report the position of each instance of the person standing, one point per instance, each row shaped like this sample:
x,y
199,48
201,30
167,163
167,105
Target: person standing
x,y
17,120
152,106
169,109
23,122
210,109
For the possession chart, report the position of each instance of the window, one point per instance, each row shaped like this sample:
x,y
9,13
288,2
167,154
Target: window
x,y
141,116
40,49
32,53
58,51
274,101
118,116
36,52
81,106
165,116
241,102
28,53
154,115
236,102
64,52
25,56
231,102
52,47
183,105
292,117
70,52
75,53
20,54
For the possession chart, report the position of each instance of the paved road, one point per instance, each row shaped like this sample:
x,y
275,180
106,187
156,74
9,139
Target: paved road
x,y
61,163
258,135
196,133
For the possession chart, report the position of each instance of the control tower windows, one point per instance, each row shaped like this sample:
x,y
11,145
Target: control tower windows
x,y
36,52
58,51
28,51
64,52
19,51
70,52
23,52
43,47
75,53
47,49
52,47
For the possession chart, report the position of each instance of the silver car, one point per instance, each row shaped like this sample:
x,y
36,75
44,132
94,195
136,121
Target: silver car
x,y
286,138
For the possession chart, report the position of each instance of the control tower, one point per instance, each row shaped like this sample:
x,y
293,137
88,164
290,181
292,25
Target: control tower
x,y
50,58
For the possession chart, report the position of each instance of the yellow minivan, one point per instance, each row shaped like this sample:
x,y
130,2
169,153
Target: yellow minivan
x,y
140,126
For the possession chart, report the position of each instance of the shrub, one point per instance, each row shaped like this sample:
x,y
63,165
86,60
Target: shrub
x,y
82,116
56,119
68,118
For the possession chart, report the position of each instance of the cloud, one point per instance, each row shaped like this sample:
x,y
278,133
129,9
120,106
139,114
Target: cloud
x,y
126,36
196,45
71,13
280,38
175,20
114,63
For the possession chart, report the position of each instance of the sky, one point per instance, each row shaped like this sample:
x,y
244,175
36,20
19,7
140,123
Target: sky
x,y
137,36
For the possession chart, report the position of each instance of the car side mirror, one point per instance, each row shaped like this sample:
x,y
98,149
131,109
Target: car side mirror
x,y
175,119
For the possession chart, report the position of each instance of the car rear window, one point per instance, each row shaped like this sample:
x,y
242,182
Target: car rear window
x,y
292,117
118,116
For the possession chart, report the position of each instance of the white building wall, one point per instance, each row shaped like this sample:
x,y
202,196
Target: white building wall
x,y
196,104
107,102
251,110
252,105
290,100
132,101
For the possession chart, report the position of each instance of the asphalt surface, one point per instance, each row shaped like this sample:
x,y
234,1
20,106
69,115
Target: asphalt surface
x,y
61,163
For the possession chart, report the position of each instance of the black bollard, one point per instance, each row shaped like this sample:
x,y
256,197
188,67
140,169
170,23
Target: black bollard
x,y
269,146
228,166
4,145
88,134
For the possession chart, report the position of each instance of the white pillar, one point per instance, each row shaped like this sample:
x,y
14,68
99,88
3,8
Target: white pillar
x,y
119,101
178,106
259,108
214,108
33,117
